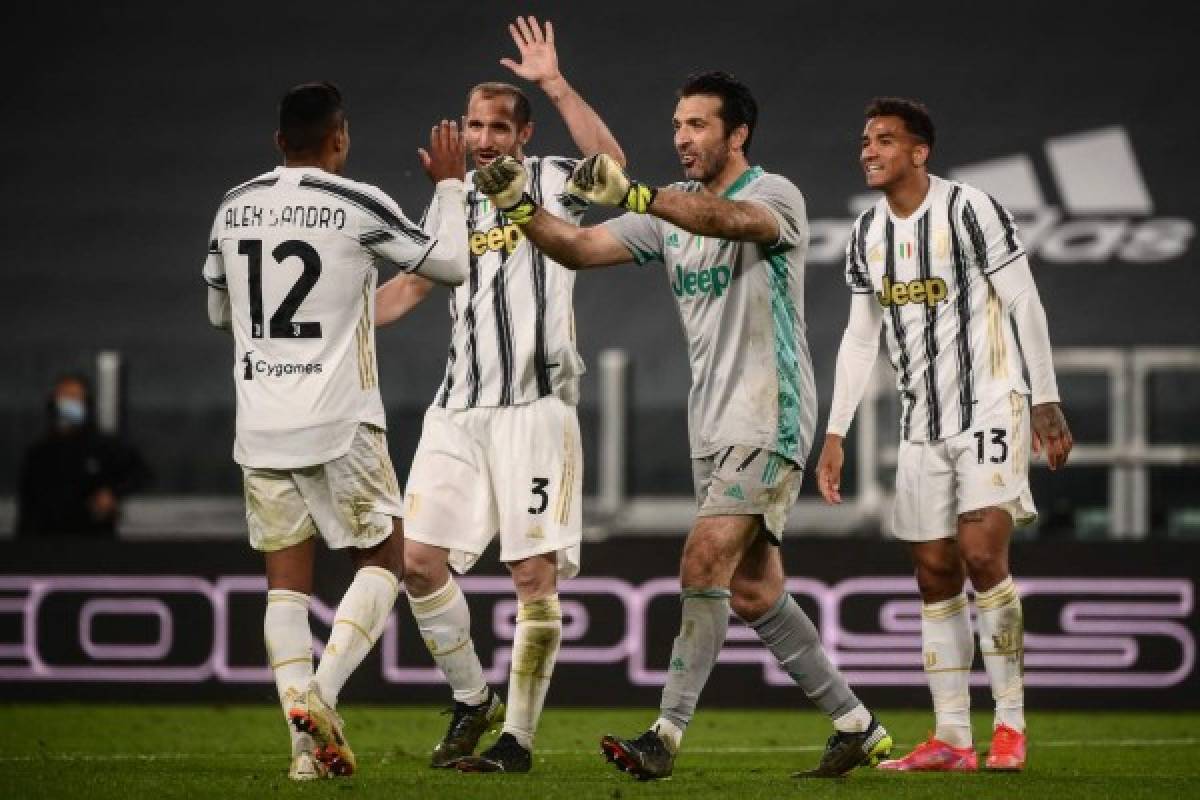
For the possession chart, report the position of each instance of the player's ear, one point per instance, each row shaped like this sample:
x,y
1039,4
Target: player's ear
x,y
525,134
279,143
737,139
920,154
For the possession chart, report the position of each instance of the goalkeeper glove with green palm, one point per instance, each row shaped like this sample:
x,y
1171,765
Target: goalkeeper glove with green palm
x,y
600,179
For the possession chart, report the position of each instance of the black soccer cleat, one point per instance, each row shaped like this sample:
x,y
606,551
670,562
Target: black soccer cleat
x,y
646,758
506,755
467,725
845,751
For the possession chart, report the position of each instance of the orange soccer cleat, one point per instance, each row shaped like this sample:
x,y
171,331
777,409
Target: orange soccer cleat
x,y
1008,750
934,755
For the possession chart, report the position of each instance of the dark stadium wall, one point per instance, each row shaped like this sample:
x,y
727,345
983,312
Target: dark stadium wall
x,y
126,123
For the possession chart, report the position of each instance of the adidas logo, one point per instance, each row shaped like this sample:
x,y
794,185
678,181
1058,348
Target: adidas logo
x,y
735,491
1104,211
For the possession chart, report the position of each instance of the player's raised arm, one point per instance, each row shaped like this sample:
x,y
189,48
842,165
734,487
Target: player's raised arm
x,y
504,181
539,64
445,261
600,179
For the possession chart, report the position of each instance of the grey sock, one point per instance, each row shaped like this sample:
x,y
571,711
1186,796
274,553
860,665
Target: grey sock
x,y
792,638
701,634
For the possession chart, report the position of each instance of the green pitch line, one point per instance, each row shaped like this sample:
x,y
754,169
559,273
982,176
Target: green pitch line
x,y
230,752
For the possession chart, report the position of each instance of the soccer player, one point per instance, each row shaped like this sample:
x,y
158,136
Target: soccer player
x,y
500,446
733,239
939,266
292,269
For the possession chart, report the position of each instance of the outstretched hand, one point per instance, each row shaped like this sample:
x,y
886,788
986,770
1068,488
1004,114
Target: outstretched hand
x,y
1051,433
446,157
539,59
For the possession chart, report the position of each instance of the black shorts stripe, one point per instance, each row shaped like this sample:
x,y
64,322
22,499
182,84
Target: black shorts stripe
x,y
745,463
249,186
933,409
369,204
725,457
962,306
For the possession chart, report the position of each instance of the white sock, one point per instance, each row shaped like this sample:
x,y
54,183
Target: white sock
x,y
948,650
445,624
1002,643
856,720
669,732
289,651
357,624
535,648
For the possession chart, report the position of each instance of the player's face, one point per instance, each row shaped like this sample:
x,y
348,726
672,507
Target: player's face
x,y
890,154
491,129
700,137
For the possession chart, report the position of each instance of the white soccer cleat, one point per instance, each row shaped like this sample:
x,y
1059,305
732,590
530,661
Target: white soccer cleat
x,y
310,714
306,767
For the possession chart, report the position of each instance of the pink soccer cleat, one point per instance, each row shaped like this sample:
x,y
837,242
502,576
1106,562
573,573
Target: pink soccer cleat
x,y
1008,750
934,755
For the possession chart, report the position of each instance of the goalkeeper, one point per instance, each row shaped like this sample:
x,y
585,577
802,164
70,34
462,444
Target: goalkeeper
x,y
733,240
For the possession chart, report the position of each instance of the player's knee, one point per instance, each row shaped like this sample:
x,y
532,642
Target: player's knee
x,y
986,566
751,603
534,578
939,580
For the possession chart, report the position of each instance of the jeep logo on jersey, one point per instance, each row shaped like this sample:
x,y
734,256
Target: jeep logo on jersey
x,y
929,291
1104,213
713,280
501,237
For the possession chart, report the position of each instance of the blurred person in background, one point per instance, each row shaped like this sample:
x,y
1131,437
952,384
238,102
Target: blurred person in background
x,y
74,478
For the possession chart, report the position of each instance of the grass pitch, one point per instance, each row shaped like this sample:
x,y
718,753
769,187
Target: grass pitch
x,y
127,751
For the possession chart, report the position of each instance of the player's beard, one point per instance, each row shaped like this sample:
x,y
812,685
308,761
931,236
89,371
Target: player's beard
x,y
710,163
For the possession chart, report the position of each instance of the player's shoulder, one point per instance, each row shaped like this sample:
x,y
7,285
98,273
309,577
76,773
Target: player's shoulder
x,y
365,198
958,192
561,165
259,182
865,219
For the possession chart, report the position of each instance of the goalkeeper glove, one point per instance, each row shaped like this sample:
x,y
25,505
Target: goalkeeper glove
x,y
600,179
504,181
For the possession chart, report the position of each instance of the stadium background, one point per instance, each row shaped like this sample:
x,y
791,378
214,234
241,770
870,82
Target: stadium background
x,y
135,118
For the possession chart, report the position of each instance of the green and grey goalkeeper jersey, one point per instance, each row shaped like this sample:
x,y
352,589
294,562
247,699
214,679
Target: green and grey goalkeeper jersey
x,y
742,308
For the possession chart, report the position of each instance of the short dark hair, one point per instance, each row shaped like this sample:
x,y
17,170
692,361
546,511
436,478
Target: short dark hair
x,y
738,106
913,112
522,109
307,113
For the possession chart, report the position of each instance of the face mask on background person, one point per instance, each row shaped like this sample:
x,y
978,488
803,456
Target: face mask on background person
x,y
71,411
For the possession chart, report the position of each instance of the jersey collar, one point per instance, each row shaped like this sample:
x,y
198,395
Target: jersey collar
x,y
750,174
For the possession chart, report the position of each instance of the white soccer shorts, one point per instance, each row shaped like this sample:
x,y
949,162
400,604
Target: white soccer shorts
x,y
984,467
512,470
350,501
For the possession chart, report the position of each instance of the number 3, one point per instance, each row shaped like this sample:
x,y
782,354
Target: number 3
x,y
542,500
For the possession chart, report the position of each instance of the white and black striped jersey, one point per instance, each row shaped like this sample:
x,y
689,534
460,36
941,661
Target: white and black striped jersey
x,y
513,326
950,339
297,248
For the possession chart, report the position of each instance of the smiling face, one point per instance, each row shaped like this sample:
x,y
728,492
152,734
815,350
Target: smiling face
x,y
891,156
491,128
703,145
